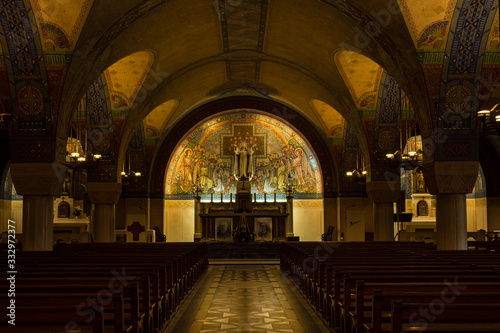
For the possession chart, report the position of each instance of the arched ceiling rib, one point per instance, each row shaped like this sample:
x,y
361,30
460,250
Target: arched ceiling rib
x,y
332,119
61,20
422,15
361,74
197,51
159,116
126,77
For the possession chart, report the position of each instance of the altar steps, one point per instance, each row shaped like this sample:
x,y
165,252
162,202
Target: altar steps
x,y
256,251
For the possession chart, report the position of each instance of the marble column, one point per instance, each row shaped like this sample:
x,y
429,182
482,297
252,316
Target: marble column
x,y
383,215
451,221
39,184
450,182
383,194
104,196
104,223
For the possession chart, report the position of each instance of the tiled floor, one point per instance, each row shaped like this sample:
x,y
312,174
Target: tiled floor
x,y
245,298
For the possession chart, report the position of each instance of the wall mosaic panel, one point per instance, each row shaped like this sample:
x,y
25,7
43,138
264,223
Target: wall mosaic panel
x,y
205,156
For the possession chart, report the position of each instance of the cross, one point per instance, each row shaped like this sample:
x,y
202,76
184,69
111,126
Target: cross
x,y
136,228
386,140
243,132
458,100
30,100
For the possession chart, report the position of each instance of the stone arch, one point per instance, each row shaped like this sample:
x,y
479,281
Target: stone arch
x,y
294,118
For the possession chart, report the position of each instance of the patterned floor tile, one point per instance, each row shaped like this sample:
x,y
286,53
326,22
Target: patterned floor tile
x,y
247,298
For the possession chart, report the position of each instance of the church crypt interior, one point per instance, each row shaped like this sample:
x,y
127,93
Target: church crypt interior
x,y
250,166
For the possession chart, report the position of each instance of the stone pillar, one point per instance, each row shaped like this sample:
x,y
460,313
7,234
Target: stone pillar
x,y
289,219
383,215
493,208
39,183
383,194
197,218
104,196
450,181
156,213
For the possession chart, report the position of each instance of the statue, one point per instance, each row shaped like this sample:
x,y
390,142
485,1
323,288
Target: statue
x,y
243,161
66,187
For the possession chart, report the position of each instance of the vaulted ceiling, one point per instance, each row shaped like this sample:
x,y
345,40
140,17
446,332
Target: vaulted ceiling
x,y
324,58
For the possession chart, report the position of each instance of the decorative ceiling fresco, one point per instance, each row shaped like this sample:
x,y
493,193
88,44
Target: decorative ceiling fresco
x,y
331,118
210,50
125,78
205,157
361,75
156,119
494,38
243,25
61,22
427,21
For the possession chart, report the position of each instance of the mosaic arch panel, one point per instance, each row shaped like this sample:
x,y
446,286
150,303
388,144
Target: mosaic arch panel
x,y
205,156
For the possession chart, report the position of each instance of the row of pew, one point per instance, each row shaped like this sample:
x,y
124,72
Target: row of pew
x,y
374,287
101,287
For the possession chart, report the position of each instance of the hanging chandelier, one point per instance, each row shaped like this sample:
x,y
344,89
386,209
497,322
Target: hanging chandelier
x,y
359,174
129,172
76,153
413,157
490,120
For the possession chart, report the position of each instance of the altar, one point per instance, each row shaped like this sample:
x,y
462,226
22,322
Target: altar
x,y
223,221
70,223
245,219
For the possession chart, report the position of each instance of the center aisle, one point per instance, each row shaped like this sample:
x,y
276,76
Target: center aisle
x,y
245,298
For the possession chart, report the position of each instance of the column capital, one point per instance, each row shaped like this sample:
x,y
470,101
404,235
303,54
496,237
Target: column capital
x,y
383,191
38,178
450,177
104,193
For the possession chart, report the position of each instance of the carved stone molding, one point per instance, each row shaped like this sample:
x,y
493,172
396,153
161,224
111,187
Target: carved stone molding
x,y
38,178
383,191
104,193
451,177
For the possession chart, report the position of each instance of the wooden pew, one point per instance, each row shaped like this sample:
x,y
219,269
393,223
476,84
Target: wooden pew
x,y
453,318
318,284
125,310
369,317
350,299
48,319
84,268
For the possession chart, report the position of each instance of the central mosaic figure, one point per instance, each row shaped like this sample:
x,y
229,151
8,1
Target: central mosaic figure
x,y
243,161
